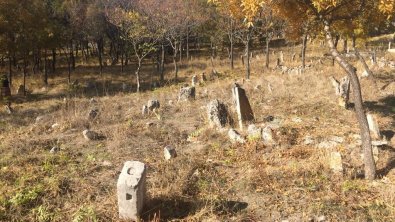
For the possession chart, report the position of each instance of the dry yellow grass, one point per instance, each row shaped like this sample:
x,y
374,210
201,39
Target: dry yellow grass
x,y
211,179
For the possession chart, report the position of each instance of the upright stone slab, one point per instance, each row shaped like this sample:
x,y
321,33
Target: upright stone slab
x,y
243,107
374,127
194,80
187,93
153,104
131,190
217,113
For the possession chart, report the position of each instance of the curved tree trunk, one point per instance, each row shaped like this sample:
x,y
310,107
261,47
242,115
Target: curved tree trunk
x,y
138,76
370,167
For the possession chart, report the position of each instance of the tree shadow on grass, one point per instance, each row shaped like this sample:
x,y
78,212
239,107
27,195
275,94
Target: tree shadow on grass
x,y
180,208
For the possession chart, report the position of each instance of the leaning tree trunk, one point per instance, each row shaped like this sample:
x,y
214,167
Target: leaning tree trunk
x,y
370,167
24,75
175,61
304,46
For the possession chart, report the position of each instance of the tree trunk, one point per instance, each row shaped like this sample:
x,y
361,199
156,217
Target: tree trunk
x,y
24,75
337,37
45,68
122,56
10,71
304,46
267,51
180,50
138,75
175,60
362,60
187,43
72,55
53,59
162,64
99,51
345,45
370,167
248,67
231,39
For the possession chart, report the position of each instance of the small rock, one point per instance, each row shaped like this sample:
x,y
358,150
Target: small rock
x,y
92,114
54,149
254,132
194,80
327,144
55,125
8,109
337,139
321,218
336,163
39,119
169,152
92,101
235,137
297,120
106,163
150,124
90,135
308,140
267,136
153,104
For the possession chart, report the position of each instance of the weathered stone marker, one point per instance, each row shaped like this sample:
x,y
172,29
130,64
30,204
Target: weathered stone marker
x,y
131,190
373,126
235,137
153,104
217,114
243,107
335,162
194,80
187,93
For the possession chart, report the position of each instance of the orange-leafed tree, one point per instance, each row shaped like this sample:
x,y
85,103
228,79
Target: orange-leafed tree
x,y
327,14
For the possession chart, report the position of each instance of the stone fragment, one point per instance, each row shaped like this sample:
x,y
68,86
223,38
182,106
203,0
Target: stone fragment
x,y
308,140
8,109
267,136
342,89
373,126
153,104
55,125
90,135
54,149
254,132
131,190
235,137
145,110
243,107
217,114
335,162
169,152
194,80
187,93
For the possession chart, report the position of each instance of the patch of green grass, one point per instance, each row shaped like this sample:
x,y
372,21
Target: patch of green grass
x,y
353,185
85,213
26,196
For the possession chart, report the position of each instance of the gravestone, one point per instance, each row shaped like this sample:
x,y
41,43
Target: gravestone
x,y
335,162
187,93
153,104
169,152
373,126
281,57
194,80
144,110
131,190
93,114
217,114
243,107
5,92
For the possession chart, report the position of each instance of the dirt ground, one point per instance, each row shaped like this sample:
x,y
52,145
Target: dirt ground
x,y
211,179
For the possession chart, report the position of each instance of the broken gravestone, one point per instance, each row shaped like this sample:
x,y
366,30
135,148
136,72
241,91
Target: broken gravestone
x,y
243,107
187,93
153,104
254,132
342,89
145,110
235,137
217,114
169,152
373,126
267,136
335,162
131,190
